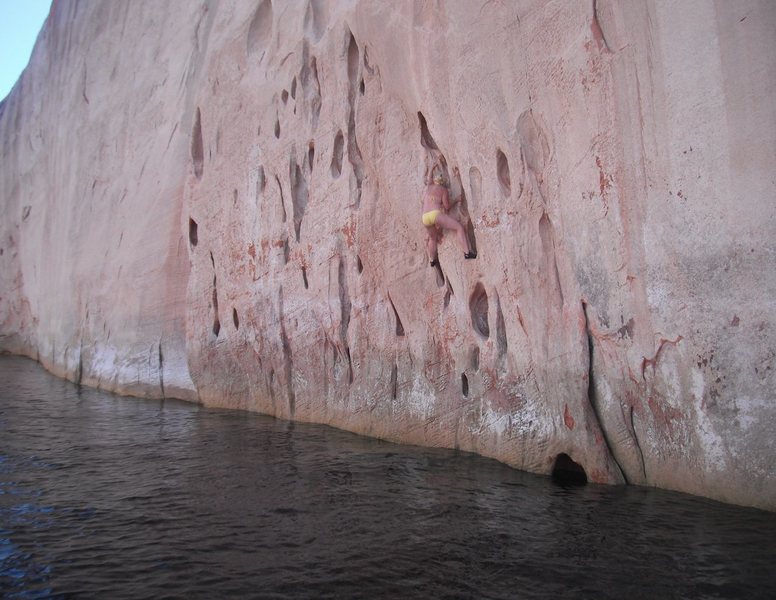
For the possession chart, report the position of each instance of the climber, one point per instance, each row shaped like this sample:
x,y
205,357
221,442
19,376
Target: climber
x,y
436,203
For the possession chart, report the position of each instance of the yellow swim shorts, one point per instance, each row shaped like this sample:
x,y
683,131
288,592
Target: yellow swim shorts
x,y
430,217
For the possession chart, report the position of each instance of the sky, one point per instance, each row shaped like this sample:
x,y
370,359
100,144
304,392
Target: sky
x,y
20,23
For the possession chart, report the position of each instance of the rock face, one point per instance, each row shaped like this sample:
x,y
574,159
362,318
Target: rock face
x,y
221,202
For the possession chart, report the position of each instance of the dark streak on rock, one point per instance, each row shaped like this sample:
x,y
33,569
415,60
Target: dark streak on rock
x,y
592,395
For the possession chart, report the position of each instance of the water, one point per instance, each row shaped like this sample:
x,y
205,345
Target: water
x,y
110,497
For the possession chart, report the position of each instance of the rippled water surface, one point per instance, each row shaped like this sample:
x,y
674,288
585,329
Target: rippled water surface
x,y
110,497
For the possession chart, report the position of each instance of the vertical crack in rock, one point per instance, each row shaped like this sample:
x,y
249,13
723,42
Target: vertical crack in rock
x,y
440,274
161,369
235,319
286,249
464,385
394,381
282,199
216,320
310,156
350,365
336,155
277,128
260,29
271,386
547,235
287,357
354,153
501,331
478,307
299,192
284,96
592,395
464,210
197,148
475,359
304,278
521,321
426,139
359,264
80,372
344,299
448,294
502,172
293,88
399,325
261,182
637,444
193,239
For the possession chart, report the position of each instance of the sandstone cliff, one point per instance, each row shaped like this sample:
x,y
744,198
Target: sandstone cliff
x,y
220,201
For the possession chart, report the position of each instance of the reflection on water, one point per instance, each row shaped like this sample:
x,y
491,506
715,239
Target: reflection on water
x,y
110,497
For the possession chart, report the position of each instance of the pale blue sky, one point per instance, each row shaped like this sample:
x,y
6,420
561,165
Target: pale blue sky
x,y
20,23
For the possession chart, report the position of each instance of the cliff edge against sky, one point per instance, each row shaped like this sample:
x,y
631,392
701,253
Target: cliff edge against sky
x,y
220,201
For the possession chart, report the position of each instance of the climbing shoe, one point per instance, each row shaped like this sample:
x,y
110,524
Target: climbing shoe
x,y
435,262
470,255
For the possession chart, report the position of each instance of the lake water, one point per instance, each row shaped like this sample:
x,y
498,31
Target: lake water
x,y
112,497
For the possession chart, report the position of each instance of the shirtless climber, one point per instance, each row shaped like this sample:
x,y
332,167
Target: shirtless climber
x,y
436,203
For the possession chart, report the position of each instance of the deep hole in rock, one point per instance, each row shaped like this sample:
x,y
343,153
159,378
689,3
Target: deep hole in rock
x,y
567,472
235,318
284,96
304,278
353,53
478,306
261,182
350,366
362,87
502,171
337,154
277,129
197,147
311,155
464,385
359,265
216,321
193,239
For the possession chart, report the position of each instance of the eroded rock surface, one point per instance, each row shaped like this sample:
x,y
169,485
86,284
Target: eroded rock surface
x,y
220,201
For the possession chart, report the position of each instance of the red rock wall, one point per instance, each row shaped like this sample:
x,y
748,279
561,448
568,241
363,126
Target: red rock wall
x,y
220,201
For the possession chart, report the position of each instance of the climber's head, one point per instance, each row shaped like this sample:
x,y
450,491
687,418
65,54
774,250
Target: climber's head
x,y
438,179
